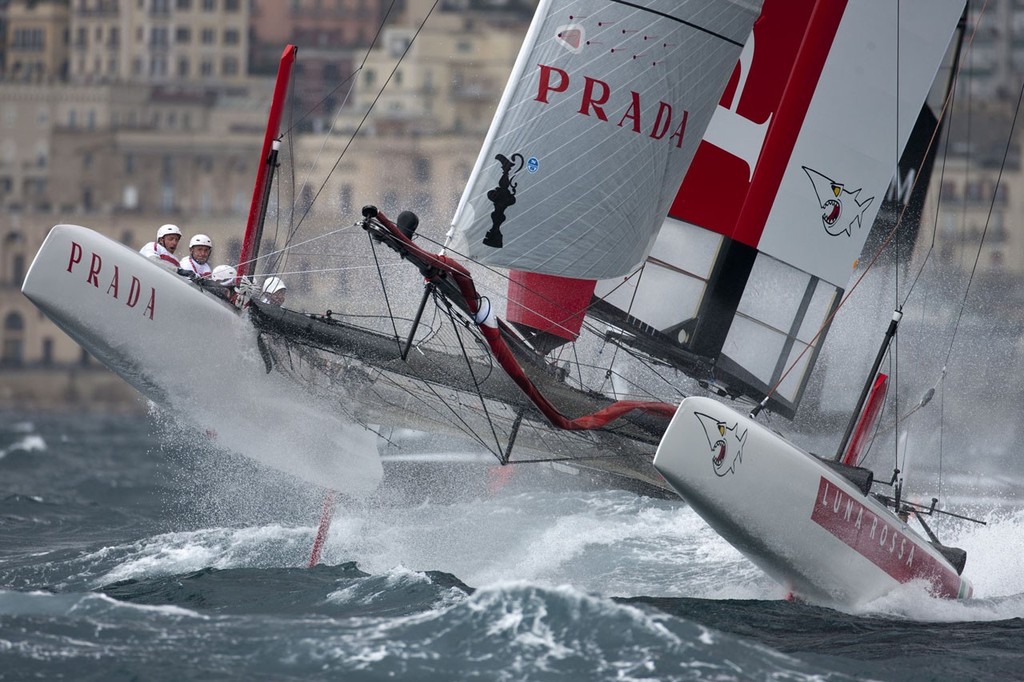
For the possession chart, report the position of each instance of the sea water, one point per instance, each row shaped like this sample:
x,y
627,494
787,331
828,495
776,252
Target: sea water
x,y
130,553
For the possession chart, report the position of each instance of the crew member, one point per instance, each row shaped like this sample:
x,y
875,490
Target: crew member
x,y
224,278
199,248
162,250
273,291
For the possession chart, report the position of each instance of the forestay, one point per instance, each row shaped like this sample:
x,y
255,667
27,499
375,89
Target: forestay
x,y
600,119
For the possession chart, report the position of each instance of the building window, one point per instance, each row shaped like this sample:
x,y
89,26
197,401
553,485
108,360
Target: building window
x,y
167,198
130,198
47,358
231,5
183,67
14,331
231,36
184,4
158,36
18,269
209,5
230,66
206,37
183,35
206,68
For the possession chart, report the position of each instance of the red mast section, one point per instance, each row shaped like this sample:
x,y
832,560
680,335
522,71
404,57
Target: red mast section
x,y
268,159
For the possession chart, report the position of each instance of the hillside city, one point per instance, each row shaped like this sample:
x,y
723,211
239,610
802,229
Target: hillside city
x,y
123,115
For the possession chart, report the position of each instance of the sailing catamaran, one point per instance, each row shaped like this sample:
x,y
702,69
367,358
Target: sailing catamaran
x,y
685,187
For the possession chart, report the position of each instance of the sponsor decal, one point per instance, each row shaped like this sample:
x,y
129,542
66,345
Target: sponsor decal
x,y
833,198
128,290
726,443
503,197
880,540
600,100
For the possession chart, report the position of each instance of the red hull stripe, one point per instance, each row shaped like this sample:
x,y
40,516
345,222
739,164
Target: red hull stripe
x,y
880,541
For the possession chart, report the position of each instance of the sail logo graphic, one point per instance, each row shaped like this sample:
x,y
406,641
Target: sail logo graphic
x,y
833,198
726,443
502,197
571,37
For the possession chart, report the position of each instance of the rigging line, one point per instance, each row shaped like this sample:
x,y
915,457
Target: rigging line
x,y
366,115
884,245
290,153
369,49
938,199
466,429
476,384
347,228
508,279
636,287
894,355
384,288
988,219
951,92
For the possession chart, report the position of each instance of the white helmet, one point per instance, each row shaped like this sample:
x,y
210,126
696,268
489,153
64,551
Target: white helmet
x,y
200,240
273,285
224,274
167,229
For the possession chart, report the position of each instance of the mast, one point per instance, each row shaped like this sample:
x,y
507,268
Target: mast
x,y
268,161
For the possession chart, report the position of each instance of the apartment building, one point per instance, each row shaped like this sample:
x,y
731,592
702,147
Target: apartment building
x,y
159,41
35,41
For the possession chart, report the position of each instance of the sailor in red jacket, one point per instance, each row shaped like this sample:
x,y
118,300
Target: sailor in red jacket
x,y
162,250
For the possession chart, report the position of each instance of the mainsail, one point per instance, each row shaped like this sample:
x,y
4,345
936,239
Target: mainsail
x,y
765,231
603,112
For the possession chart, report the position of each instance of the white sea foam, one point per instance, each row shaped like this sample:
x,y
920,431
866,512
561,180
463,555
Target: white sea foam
x,y
175,553
30,443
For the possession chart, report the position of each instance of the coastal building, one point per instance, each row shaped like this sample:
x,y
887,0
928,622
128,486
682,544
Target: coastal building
x,y
159,41
35,41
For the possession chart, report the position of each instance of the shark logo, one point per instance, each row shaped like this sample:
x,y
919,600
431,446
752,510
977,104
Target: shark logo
x,y
831,196
725,442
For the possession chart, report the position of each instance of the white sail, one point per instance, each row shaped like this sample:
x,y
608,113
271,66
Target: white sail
x,y
603,112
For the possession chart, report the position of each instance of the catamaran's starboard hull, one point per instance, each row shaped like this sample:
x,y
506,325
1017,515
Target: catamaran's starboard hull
x,y
194,355
801,522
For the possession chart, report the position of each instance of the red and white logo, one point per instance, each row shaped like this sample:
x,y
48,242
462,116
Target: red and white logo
x,y
726,443
834,198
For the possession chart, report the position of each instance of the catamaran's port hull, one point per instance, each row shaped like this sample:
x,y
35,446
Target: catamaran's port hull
x,y
801,522
195,355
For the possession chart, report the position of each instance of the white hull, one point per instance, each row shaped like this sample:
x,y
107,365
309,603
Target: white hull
x,y
194,355
800,521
